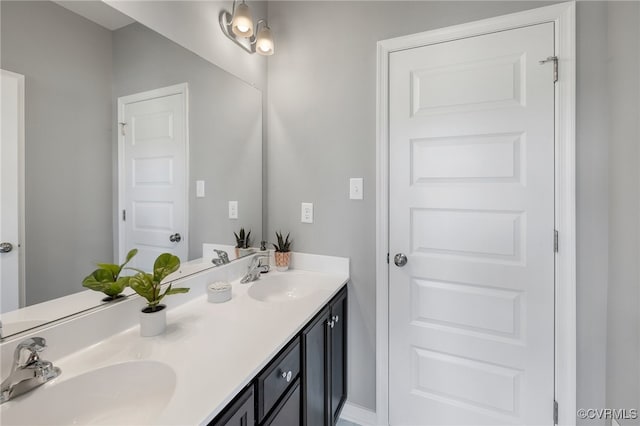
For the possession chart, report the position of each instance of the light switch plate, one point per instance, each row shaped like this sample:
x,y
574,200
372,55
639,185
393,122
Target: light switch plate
x,y
307,213
356,188
233,209
199,189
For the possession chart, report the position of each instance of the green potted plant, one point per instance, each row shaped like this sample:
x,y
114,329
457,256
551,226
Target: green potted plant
x,y
153,318
107,279
243,243
283,252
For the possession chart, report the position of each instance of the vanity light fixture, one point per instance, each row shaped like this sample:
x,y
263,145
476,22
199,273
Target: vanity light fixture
x,y
238,26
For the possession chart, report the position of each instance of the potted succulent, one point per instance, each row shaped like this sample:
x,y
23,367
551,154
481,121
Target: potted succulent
x,y
283,252
107,279
153,318
243,243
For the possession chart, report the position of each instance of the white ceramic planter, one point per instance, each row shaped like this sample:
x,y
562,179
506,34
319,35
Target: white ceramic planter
x,y
153,323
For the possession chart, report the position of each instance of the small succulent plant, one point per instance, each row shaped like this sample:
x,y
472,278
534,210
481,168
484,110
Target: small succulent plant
x,y
284,245
107,278
149,285
242,240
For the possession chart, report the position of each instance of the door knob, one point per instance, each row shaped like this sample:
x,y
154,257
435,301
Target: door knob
x,y
175,238
400,259
6,247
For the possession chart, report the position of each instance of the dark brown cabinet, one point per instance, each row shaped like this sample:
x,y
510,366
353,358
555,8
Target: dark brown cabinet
x,y
338,361
241,412
315,361
306,383
277,377
324,364
287,413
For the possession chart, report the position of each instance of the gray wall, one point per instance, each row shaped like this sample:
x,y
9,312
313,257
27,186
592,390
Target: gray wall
x,y
321,120
225,130
623,355
194,25
66,61
592,207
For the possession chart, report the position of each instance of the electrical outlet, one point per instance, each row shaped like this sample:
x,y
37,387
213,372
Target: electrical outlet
x,y
307,213
355,188
233,209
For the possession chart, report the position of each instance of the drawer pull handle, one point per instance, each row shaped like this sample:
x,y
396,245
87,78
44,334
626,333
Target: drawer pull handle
x,y
287,375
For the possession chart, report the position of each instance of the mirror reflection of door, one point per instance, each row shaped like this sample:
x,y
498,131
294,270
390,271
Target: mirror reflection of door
x,y
153,174
11,145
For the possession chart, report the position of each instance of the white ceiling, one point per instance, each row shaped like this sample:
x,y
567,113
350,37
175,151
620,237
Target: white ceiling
x,y
98,12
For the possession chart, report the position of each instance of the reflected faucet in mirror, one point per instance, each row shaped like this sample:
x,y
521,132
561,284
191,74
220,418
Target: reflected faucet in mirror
x,y
28,370
222,259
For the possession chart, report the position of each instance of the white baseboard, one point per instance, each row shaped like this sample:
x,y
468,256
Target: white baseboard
x,y
358,415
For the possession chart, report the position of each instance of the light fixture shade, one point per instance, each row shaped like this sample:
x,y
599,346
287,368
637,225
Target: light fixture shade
x,y
242,22
264,42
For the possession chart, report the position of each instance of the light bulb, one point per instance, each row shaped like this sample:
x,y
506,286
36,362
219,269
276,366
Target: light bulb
x,y
242,22
264,42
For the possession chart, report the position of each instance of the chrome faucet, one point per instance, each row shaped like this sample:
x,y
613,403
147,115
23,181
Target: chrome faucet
x,y
223,258
255,269
28,370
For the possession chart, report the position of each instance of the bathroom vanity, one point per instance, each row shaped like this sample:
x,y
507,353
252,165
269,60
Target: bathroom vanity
x,y
275,354
306,383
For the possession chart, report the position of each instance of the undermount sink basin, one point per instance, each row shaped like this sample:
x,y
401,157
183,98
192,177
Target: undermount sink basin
x,y
131,393
281,288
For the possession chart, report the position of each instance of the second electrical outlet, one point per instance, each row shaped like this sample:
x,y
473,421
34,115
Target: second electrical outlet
x,y
233,209
307,213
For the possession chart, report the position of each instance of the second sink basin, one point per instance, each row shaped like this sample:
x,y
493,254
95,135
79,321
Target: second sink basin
x,y
286,287
131,393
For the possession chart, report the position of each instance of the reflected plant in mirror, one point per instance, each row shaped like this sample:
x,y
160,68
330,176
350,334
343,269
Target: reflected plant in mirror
x,y
243,243
107,278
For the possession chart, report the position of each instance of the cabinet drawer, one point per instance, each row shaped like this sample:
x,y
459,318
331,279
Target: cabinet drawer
x,y
287,413
277,377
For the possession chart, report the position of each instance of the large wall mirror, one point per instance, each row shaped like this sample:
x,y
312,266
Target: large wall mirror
x,y
114,115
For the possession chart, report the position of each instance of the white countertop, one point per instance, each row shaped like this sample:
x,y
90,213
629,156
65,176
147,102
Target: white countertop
x,y
214,349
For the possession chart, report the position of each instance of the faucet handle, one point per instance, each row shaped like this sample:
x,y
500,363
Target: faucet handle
x,y
32,346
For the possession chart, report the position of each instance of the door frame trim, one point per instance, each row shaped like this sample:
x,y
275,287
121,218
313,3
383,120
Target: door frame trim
x,y
563,16
22,288
119,230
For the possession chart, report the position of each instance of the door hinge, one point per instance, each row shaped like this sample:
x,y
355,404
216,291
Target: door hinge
x,y
555,412
553,59
122,128
387,258
124,215
555,240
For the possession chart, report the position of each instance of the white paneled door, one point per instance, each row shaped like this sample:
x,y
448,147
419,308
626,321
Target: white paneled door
x,y
11,144
471,314
154,175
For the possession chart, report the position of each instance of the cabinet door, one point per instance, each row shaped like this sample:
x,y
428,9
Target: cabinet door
x,y
241,412
287,413
314,372
338,371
